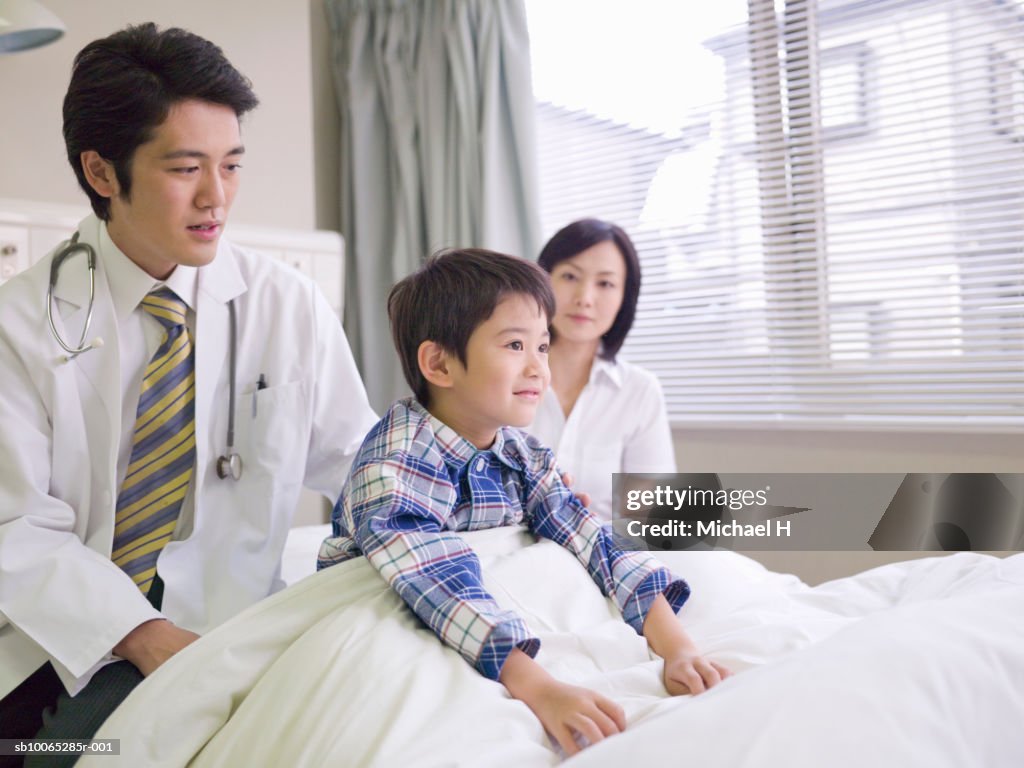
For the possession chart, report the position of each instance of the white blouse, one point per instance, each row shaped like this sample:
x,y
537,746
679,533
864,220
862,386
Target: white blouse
x,y
618,424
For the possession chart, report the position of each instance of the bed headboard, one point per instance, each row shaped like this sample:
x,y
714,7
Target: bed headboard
x,y
29,230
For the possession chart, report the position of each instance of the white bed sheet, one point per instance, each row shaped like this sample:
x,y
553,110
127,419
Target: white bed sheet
x,y
916,663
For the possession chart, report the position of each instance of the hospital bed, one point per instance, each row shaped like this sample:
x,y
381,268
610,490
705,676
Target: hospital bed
x,y
914,663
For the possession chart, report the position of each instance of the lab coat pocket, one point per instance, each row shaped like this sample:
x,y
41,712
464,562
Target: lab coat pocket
x,y
277,438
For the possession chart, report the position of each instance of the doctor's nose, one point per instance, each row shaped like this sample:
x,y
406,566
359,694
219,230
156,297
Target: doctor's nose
x,y
211,193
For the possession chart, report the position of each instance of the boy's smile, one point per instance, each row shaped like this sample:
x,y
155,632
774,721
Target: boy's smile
x,y
505,375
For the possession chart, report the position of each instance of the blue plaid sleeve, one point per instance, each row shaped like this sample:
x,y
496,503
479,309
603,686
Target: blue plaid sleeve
x,y
396,507
632,579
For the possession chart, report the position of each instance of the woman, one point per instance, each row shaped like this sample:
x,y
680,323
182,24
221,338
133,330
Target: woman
x,y
601,414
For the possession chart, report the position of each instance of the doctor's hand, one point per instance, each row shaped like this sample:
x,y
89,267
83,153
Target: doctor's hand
x,y
152,643
583,497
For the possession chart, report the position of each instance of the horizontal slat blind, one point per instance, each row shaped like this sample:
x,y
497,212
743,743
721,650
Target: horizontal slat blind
x,y
837,237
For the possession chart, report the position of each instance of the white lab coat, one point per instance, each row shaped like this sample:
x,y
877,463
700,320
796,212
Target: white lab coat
x,y
61,598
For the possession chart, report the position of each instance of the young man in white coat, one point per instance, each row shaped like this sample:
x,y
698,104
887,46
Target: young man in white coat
x,y
122,538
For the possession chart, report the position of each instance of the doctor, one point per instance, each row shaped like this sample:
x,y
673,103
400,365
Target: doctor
x,y
151,123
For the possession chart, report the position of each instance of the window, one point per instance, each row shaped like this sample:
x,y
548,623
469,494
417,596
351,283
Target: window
x,y
828,199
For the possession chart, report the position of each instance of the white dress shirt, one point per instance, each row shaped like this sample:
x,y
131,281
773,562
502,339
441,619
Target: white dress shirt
x,y
618,424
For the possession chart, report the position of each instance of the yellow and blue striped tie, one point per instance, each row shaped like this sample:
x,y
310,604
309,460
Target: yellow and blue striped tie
x,y
163,447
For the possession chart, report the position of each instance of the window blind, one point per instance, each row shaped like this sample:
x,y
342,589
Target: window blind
x,y
836,236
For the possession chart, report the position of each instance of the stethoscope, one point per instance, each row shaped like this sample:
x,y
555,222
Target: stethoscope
x,y
229,465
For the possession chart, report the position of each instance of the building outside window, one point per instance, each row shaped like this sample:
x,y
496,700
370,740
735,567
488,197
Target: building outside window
x,y
828,199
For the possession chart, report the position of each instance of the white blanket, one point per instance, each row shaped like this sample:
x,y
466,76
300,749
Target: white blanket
x,y
917,663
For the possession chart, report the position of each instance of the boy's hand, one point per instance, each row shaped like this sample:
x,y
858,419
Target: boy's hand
x,y
691,673
686,671
575,717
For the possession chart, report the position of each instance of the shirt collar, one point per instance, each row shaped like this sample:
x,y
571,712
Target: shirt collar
x,y
129,283
509,447
457,451
184,283
609,369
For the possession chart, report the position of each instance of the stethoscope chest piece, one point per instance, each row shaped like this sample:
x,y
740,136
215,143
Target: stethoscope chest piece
x,y
229,466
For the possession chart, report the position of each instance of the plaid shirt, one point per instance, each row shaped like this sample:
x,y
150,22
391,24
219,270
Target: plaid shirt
x,y
416,481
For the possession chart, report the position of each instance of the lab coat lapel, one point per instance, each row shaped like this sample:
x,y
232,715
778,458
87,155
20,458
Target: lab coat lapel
x,y
219,282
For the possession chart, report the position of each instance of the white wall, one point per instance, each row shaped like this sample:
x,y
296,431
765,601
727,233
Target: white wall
x,y
267,40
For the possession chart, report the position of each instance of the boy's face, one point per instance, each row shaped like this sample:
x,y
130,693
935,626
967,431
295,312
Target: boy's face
x,y
506,371
184,181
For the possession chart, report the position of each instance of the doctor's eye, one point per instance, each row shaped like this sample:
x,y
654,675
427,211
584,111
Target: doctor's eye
x,y
185,170
232,167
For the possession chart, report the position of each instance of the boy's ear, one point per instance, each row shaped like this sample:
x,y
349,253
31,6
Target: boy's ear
x,y
435,364
99,173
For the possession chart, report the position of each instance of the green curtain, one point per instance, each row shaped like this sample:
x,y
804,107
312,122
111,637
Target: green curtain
x,y
438,149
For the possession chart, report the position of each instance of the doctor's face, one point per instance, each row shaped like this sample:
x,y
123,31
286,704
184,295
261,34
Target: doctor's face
x,y
183,182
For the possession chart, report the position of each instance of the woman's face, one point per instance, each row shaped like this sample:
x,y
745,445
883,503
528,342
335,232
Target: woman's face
x,y
588,292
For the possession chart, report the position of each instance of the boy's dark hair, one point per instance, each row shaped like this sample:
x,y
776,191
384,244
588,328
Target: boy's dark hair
x,y
450,296
575,238
123,86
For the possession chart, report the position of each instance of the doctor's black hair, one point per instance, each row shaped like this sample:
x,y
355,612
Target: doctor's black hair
x,y
573,239
447,298
123,87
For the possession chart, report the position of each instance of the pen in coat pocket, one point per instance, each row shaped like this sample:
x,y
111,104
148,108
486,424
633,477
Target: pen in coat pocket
x,y
261,383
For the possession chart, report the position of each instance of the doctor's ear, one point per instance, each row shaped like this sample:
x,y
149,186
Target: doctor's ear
x,y
99,173
435,363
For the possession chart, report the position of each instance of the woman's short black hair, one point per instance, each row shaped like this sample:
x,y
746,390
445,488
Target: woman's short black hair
x,y
453,293
577,237
123,87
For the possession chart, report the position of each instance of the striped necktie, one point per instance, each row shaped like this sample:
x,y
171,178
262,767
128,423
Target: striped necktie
x,y
163,447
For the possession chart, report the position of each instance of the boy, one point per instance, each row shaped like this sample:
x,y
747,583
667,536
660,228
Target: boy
x,y
471,328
